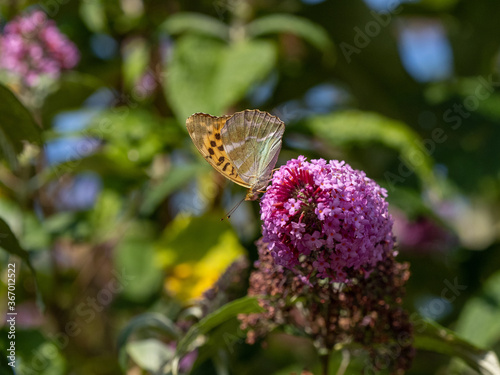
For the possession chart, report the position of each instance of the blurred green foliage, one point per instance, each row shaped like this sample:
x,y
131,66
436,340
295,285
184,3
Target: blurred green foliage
x,y
103,194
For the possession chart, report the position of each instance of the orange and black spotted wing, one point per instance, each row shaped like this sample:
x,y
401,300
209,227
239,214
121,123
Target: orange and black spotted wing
x,y
205,131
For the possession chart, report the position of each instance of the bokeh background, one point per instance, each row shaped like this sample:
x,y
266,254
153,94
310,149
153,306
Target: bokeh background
x,y
102,186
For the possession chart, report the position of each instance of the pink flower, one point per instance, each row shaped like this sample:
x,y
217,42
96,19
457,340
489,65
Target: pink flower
x,y
32,46
322,211
293,206
328,212
321,264
313,241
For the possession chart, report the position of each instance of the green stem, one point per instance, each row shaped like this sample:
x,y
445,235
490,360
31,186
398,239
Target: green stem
x,y
325,361
346,358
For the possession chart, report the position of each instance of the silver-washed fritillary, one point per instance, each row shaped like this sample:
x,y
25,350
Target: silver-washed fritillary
x,y
243,147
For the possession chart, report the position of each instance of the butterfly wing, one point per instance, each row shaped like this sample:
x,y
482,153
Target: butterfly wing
x,y
252,140
205,131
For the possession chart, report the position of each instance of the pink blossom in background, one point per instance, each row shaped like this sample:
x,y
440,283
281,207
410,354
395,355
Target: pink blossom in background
x,y
327,213
146,85
422,235
32,46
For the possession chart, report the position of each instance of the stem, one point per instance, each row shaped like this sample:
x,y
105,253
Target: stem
x,y
325,361
346,358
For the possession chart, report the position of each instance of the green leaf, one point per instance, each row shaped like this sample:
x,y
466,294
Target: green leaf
x,y
204,75
16,125
185,22
350,127
150,354
244,64
135,61
145,321
93,14
195,336
59,222
287,23
438,5
105,215
190,73
35,235
108,166
9,243
135,254
491,107
135,132
35,353
433,337
73,89
177,177
226,335
479,320
178,236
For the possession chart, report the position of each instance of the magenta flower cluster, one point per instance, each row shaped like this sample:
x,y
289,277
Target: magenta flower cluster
x,y
327,214
32,46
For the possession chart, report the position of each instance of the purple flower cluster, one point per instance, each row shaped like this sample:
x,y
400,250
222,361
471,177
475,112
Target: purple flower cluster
x,y
32,46
328,214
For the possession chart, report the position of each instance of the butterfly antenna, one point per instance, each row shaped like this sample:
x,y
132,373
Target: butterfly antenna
x,y
228,215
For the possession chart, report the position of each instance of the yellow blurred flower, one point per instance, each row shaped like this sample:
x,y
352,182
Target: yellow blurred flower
x,y
188,281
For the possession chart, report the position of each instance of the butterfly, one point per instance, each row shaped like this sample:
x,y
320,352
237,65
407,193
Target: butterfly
x,y
243,147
